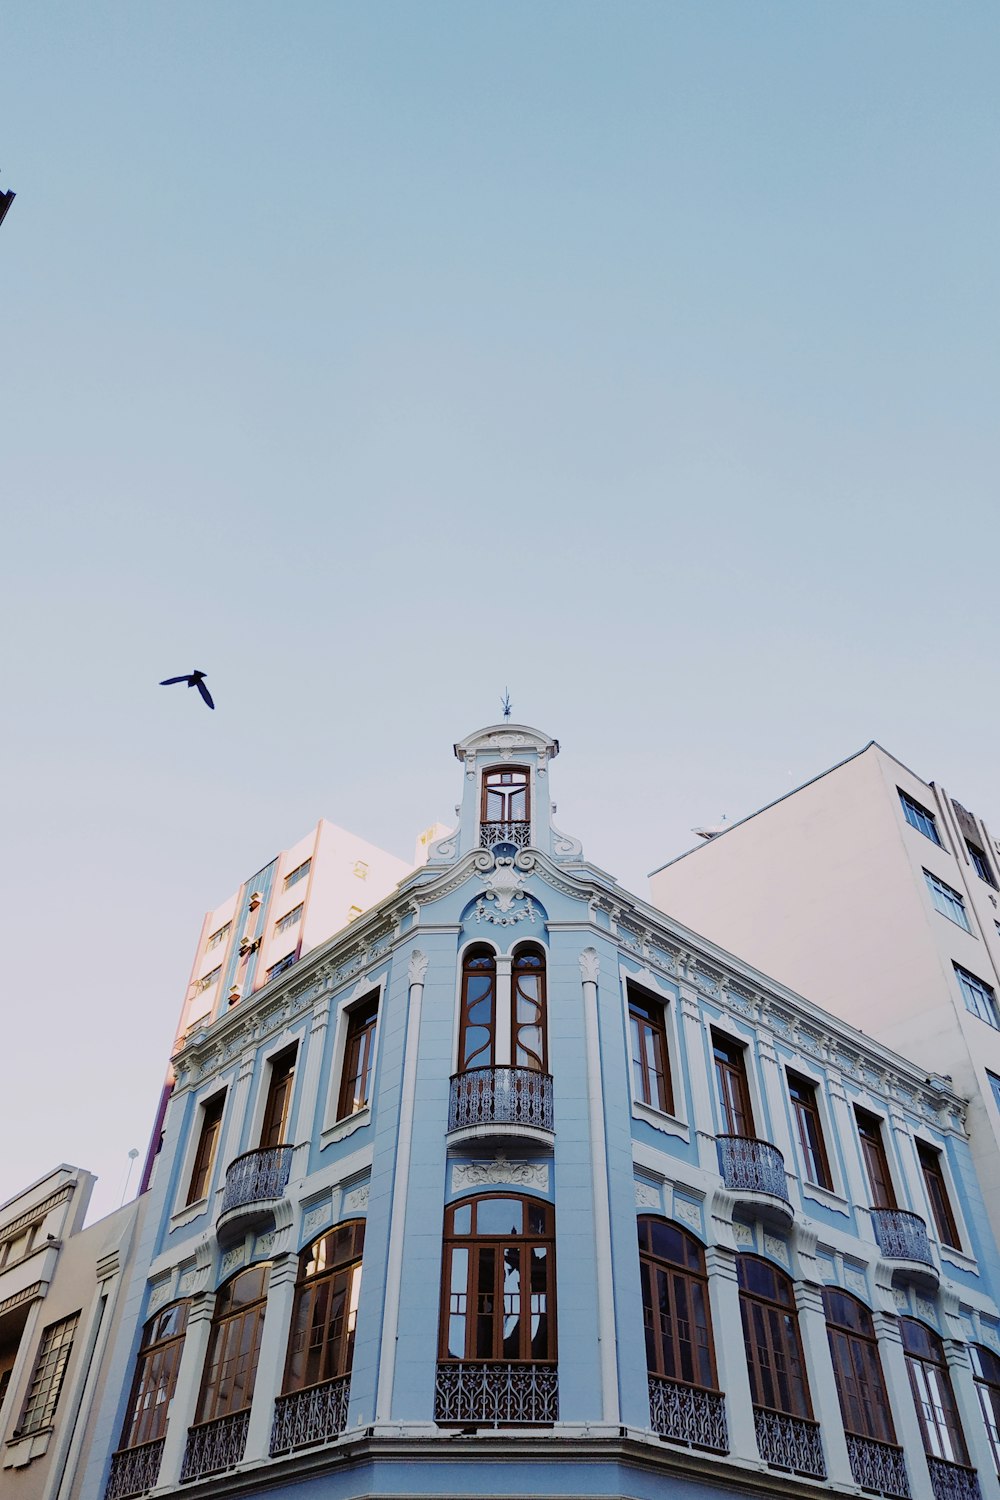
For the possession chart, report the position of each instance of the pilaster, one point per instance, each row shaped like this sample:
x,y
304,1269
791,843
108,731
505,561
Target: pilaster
x,y
502,1011
730,1352
306,1124
776,1094
822,1383
589,971
231,1145
969,1412
845,1131
904,1413
185,1400
702,1113
271,1362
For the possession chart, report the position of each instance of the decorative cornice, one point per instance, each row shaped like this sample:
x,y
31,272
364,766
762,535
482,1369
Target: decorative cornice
x,y
35,1214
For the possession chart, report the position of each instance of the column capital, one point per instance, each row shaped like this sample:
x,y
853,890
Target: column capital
x,y
590,965
720,1261
202,1308
886,1327
417,967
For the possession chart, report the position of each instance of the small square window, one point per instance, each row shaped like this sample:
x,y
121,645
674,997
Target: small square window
x,y
948,902
361,870
220,934
919,817
299,873
980,997
980,863
353,912
289,919
207,980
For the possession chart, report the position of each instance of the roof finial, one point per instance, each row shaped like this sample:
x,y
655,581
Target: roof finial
x,y
506,703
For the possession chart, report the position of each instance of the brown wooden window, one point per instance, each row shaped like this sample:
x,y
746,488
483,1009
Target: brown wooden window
x,y
937,1194
809,1128
529,1047
651,1080
279,1098
359,1056
675,1305
477,1034
876,1162
932,1393
505,795
734,1092
498,1284
986,1369
321,1339
234,1345
771,1337
155,1376
48,1375
208,1143
857,1368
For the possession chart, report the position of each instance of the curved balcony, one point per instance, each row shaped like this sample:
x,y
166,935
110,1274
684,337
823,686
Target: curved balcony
x,y
517,833
902,1237
255,1181
754,1172
501,1102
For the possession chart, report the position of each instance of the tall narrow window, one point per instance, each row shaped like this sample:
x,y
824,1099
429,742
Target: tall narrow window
x,y
528,1021
980,997
279,1099
155,1376
506,814
675,1306
948,902
498,1289
321,1339
932,1393
651,1082
477,1038
876,1163
734,1093
234,1345
809,1129
771,1336
359,1054
49,1374
857,1368
986,1369
208,1143
919,817
937,1195
980,863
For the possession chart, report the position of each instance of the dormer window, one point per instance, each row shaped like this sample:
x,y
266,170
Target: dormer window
x,y
506,808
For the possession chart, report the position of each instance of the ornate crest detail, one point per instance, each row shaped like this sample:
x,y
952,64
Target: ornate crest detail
x,y
855,1281
647,1196
777,1248
563,846
742,1233
687,1212
232,1259
499,1172
505,890
357,1198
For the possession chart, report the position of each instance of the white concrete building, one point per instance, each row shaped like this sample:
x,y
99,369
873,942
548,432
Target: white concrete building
x,y
876,894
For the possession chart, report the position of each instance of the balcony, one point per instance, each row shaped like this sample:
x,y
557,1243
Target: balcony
x,y
501,1102
134,1470
902,1237
254,1183
688,1414
953,1481
754,1172
787,1442
314,1415
214,1446
496,1395
878,1466
518,834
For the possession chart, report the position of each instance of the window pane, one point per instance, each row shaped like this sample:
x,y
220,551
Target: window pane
x,y
499,1216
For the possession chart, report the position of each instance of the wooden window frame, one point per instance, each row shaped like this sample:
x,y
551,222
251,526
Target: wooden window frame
x,y
773,1342
486,1054
478,1246
873,1150
647,1024
326,1303
235,1337
805,1111
857,1369
537,1063
494,784
155,1378
938,1389
936,1188
209,1135
731,1079
674,1286
278,1099
357,1070
986,1375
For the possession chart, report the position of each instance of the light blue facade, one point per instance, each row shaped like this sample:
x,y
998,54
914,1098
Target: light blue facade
x,y
605,1158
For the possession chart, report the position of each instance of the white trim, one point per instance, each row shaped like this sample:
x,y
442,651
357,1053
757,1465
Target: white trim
x,y
727,1028
456,1034
265,1058
669,1124
345,1127
831,1197
667,995
184,1212
960,1256
606,1332
333,1129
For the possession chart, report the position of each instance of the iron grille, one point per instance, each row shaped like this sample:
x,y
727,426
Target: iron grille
x,y
257,1176
752,1166
789,1442
134,1470
901,1235
311,1416
491,1394
953,1481
504,833
500,1096
878,1466
215,1445
687,1414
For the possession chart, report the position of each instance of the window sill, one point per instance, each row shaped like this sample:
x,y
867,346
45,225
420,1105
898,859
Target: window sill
x,y
21,1450
958,1258
345,1127
188,1214
669,1124
826,1197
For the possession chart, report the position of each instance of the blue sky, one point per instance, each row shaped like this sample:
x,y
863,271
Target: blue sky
x,y
374,357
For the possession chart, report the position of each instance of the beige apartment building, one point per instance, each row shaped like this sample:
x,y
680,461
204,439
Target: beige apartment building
x,y
876,894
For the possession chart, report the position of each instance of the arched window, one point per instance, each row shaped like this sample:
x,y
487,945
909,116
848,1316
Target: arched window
x,y
787,1436
876,1460
218,1438
986,1368
506,810
498,1287
932,1393
477,1033
529,1048
155,1376
313,1405
675,1306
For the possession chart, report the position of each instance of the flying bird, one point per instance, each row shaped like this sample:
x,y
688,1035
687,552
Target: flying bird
x,y
193,679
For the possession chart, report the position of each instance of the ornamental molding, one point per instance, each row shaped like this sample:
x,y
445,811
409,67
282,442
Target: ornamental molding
x,y
504,901
742,1233
647,1196
417,967
232,1260
500,1172
356,1199
564,846
159,1294
317,1218
590,965
687,1212
37,1212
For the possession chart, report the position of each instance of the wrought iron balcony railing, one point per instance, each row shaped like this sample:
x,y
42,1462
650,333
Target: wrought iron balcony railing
x,y
878,1466
953,1481
688,1414
134,1470
494,1395
256,1177
314,1415
901,1235
217,1445
500,1096
789,1442
504,833
752,1166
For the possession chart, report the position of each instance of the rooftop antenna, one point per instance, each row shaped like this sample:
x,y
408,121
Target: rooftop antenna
x,y
131,1163
506,703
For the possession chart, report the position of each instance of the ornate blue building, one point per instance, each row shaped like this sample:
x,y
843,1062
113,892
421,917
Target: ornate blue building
x,y
517,1187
